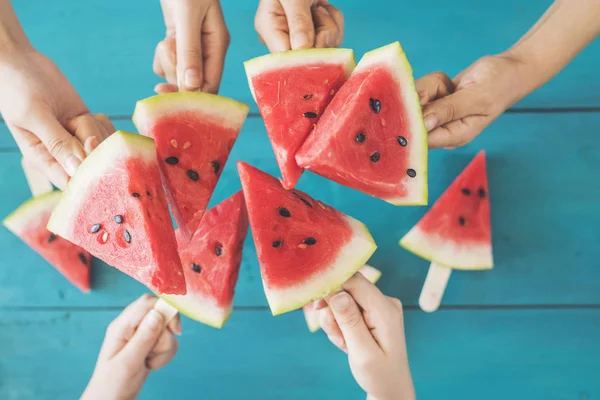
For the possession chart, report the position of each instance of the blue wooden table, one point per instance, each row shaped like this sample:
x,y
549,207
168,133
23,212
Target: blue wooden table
x,y
527,329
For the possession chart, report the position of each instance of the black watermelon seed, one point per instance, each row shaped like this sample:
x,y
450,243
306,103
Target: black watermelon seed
x,y
302,199
148,193
196,268
172,160
95,228
136,195
466,191
461,221
310,114
411,172
51,238
119,219
360,137
375,105
193,175
308,96
277,243
481,192
82,258
402,141
127,236
216,166
218,249
310,241
375,156
284,212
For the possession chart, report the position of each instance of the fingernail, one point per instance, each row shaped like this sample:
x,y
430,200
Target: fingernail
x,y
71,164
153,319
340,302
431,122
300,40
192,79
330,41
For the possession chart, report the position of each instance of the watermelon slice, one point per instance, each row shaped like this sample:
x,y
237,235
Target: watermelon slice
x,y
292,89
312,316
456,231
211,263
115,208
371,137
194,133
306,249
28,222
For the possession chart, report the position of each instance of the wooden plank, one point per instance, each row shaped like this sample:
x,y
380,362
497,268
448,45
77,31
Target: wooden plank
x,y
106,49
544,212
532,354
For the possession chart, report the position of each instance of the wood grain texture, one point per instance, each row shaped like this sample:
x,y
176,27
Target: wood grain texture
x,y
106,47
544,220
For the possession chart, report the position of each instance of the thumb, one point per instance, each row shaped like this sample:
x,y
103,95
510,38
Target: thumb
x,y
145,337
455,106
299,18
188,20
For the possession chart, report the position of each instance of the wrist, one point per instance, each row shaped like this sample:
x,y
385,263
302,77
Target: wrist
x,y
12,35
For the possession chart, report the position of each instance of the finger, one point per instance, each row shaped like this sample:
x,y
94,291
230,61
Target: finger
x,y
215,41
319,304
457,133
163,352
175,325
455,106
331,328
166,59
326,29
163,88
85,126
157,62
271,26
167,16
357,336
107,126
188,19
145,337
433,86
299,17
338,17
90,144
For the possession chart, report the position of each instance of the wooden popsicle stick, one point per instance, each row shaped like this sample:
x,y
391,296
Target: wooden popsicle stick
x,y
166,310
37,181
434,287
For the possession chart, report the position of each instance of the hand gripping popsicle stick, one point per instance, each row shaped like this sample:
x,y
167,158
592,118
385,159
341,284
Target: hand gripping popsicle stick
x,y
434,287
37,181
166,310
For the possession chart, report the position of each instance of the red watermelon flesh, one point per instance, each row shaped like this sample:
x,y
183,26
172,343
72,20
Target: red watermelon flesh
x,y
29,221
194,133
211,263
371,137
306,249
456,231
292,89
115,208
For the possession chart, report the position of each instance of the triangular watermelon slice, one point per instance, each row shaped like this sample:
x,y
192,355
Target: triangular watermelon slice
x,y
371,137
211,263
29,221
194,133
456,231
306,249
312,316
292,89
115,208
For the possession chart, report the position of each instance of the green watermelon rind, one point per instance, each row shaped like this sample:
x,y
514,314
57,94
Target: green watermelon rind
x,y
297,58
227,112
422,245
18,220
200,309
92,168
353,255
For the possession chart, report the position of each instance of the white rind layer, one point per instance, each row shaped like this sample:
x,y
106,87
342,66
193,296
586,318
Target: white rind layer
x,y
101,162
19,220
296,58
433,247
227,112
200,308
394,58
353,255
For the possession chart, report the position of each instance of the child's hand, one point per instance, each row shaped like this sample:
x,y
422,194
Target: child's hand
x,y
192,55
298,24
369,326
136,342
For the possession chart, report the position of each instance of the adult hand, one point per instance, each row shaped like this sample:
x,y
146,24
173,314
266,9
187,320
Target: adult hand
x,y
46,116
136,342
456,111
298,24
369,327
192,55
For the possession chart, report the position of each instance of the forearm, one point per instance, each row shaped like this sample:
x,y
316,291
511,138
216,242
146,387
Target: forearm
x,y
566,28
11,32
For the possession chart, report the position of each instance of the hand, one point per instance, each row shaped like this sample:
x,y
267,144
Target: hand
x,y
369,327
298,24
456,111
192,55
136,342
46,116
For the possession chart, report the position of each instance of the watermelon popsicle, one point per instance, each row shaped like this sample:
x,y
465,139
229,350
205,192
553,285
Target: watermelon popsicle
x,y
455,233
